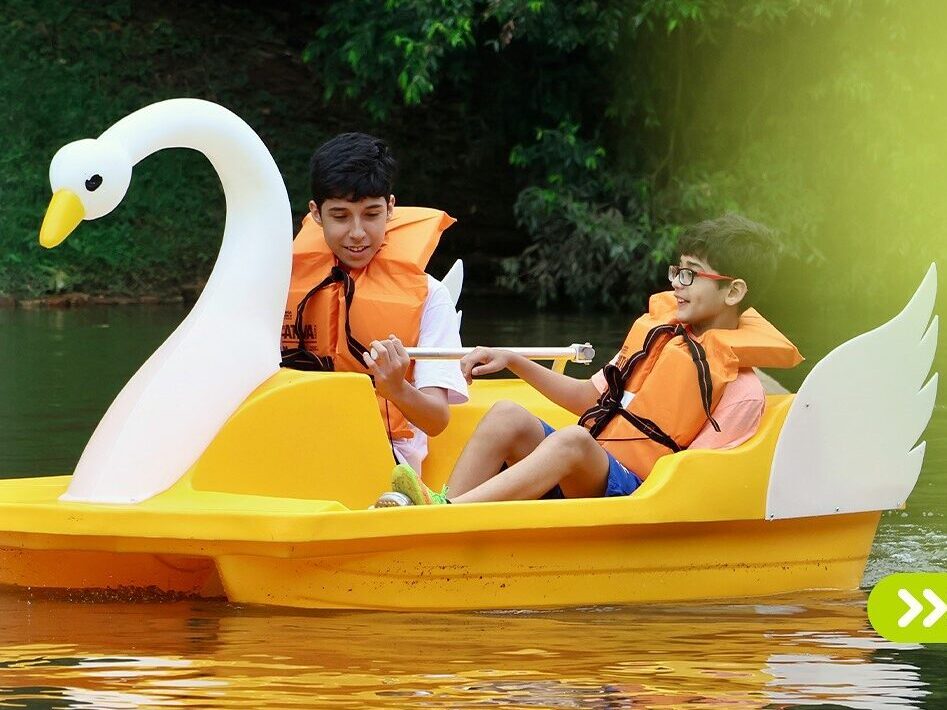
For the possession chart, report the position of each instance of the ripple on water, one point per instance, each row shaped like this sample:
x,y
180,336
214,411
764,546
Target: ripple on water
x,y
902,545
805,650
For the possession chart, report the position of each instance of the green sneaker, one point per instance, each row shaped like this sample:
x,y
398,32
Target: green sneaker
x,y
405,480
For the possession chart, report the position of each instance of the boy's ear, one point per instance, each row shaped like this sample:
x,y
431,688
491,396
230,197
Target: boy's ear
x,y
391,205
314,211
736,292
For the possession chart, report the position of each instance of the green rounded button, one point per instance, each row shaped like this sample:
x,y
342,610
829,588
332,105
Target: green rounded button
x,y
910,607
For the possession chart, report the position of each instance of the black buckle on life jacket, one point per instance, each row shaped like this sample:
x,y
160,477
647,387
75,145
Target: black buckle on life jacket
x,y
305,360
300,357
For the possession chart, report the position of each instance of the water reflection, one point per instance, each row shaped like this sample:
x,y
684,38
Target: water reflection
x,y
61,369
69,654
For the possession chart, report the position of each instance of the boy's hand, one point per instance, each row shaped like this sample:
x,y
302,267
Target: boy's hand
x,y
484,361
388,363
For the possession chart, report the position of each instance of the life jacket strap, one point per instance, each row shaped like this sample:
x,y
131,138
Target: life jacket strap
x,y
609,404
651,430
300,357
699,356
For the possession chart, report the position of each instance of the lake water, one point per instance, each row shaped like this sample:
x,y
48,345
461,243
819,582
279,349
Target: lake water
x,y
60,369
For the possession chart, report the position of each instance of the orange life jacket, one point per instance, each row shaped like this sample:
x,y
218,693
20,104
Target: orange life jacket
x,y
666,381
332,315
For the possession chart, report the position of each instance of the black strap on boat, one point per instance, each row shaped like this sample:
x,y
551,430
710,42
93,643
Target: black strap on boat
x,y
300,357
609,404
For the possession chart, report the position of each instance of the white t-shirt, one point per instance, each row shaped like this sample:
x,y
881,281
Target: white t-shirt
x,y
439,329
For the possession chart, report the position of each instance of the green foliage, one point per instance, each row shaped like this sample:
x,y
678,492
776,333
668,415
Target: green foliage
x,y
71,72
805,114
399,51
378,52
598,244
602,126
516,66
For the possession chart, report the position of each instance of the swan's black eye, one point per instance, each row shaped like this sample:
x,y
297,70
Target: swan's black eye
x,y
93,183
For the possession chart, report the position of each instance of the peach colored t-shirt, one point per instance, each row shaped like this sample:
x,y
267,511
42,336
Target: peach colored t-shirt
x,y
737,413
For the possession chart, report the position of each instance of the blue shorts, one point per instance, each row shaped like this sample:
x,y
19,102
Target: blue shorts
x,y
621,481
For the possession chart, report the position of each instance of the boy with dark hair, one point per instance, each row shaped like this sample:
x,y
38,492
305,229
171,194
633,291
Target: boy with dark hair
x,y
735,245
351,166
690,357
359,294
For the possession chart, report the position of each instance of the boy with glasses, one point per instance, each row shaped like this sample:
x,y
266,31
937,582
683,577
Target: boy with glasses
x,y
683,379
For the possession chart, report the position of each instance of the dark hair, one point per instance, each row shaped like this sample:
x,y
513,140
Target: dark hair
x,y
735,246
351,166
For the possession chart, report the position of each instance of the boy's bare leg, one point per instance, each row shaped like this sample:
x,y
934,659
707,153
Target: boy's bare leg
x,y
506,434
569,457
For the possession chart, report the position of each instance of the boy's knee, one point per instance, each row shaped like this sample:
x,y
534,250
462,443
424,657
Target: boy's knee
x,y
577,434
507,422
508,414
574,440
506,408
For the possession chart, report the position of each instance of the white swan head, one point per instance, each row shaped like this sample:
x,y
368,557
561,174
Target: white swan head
x,y
89,179
172,408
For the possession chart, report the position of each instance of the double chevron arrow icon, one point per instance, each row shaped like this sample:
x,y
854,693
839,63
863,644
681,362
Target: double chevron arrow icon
x,y
915,608
924,620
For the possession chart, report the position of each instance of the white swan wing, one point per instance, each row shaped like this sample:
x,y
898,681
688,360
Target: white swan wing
x,y
850,440
454,280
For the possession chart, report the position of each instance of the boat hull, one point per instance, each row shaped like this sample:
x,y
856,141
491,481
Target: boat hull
x,y
133,575
567,567
615,564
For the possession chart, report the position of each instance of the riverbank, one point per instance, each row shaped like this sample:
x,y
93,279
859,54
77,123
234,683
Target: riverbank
x,y
73,300
78,299
481,280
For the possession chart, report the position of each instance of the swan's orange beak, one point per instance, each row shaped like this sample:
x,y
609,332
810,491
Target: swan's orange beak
x,y
63,215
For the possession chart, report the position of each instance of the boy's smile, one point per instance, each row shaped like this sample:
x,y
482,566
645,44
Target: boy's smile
x,y
354,231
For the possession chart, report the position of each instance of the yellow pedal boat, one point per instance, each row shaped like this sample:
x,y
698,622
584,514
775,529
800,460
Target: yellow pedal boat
x,y
276,514
270,515
224,477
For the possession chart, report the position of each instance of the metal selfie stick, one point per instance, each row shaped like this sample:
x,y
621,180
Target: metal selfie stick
x,y
579,353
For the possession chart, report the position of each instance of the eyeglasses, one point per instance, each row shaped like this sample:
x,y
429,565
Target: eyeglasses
x,y
686,276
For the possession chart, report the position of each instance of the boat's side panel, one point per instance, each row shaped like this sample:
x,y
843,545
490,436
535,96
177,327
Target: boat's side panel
x,y
680,485
566,567
310,435
107,570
